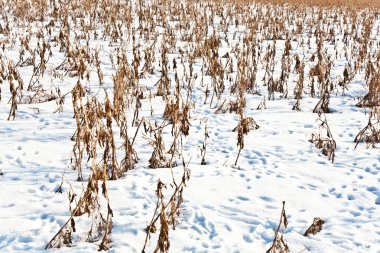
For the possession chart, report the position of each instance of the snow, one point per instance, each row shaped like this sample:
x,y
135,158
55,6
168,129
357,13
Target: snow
x,y
226,208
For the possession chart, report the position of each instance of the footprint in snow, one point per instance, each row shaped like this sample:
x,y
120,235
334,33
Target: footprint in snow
x,y
247,238
266,199
375,191
9,157
243,198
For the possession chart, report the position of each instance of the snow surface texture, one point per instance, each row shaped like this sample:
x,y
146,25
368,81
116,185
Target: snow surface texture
x,y
226,208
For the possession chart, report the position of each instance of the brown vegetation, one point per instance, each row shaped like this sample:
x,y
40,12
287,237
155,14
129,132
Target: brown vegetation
x,y
294,45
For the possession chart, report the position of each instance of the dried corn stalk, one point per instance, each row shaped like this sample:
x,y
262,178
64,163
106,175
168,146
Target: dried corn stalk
x,y
279,244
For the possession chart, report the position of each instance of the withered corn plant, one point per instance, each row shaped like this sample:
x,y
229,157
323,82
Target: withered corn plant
x,y
166,212
246,124
279,244
372,98
2,73
299,88
323,104
88,204
204,147
370,134
44,52
81,135
163,86
99,121
262,104
15,87
158,158
95,137
348,75
324,140
322,71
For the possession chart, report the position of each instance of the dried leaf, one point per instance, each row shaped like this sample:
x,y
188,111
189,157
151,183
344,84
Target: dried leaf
x,y
315,227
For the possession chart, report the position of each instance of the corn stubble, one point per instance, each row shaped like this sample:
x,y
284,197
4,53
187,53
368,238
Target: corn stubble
x,y
166,212
324,140
279,244
294,47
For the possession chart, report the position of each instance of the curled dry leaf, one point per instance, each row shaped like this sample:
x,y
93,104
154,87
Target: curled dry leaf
x,y
315,227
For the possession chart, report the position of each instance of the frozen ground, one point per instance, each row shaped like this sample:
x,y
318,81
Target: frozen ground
x,y
226,208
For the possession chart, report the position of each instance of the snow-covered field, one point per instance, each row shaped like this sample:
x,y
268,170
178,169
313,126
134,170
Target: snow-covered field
x,y
226,207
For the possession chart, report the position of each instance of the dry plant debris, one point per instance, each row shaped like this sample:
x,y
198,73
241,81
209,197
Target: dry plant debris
x,y
279,245
120,57
324,140
166,212
314,228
